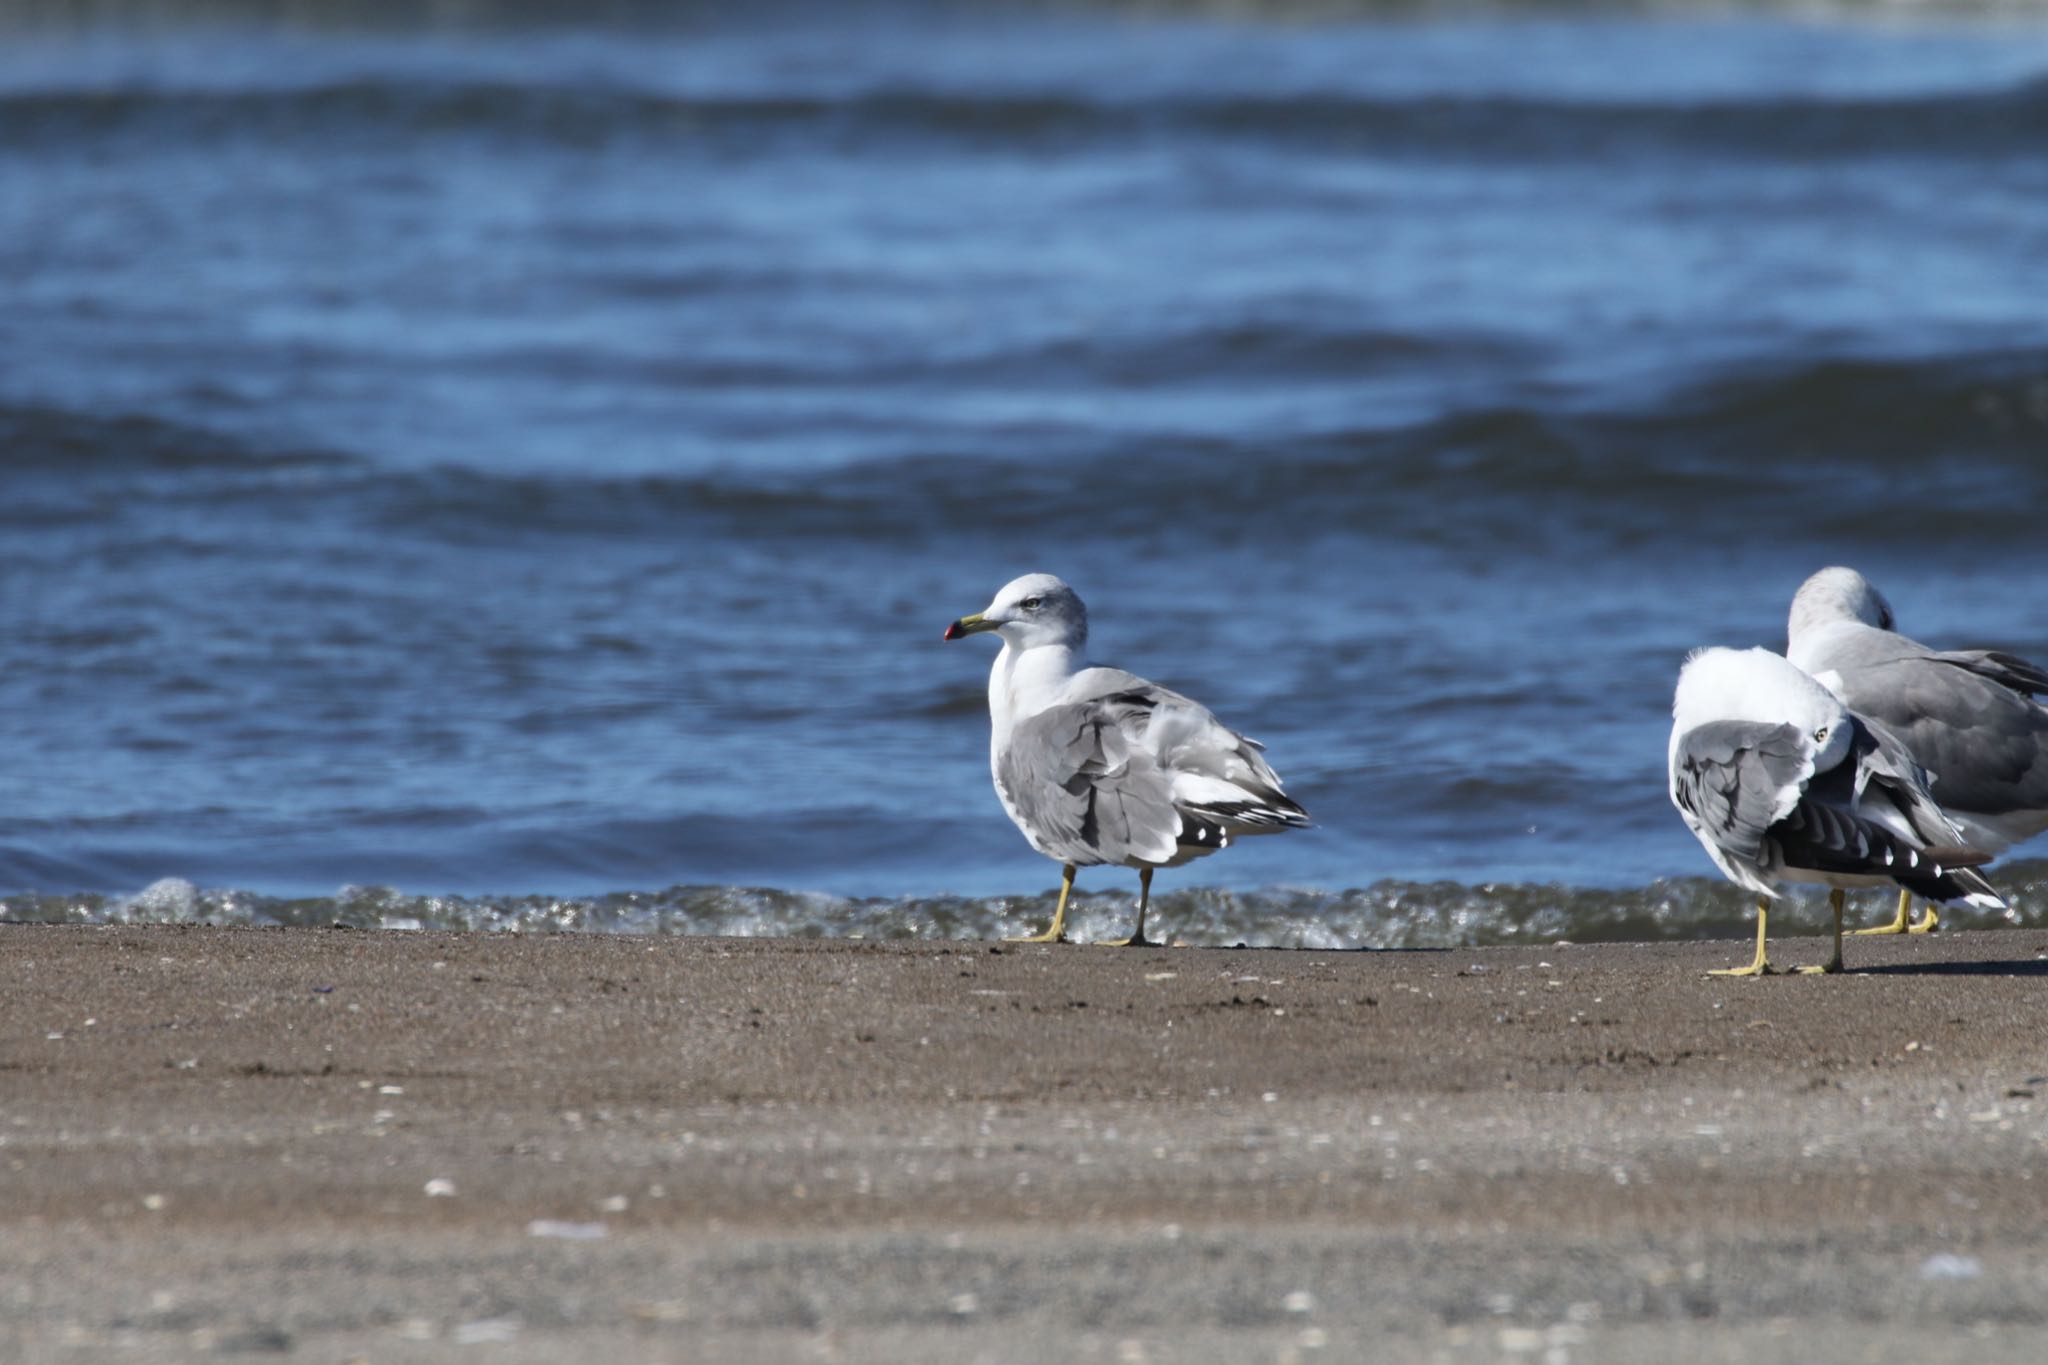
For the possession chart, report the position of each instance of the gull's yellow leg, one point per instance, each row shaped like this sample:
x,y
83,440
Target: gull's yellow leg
x,y
1762,966
1058,932
1834,964
1137,938
1927,923
1898,923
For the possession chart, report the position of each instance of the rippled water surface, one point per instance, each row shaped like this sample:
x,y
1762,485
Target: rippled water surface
x,y
527,467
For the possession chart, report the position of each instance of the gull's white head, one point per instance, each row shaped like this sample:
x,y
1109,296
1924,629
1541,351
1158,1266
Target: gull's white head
x,y
1757,685
1037,609
1835,595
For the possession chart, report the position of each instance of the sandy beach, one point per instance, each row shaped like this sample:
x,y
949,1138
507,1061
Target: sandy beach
x,y
333,1145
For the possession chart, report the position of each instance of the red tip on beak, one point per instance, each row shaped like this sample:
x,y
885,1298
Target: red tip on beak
x,y
953,631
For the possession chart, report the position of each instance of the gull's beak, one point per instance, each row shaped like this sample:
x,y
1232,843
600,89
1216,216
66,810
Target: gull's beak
x,y
969,625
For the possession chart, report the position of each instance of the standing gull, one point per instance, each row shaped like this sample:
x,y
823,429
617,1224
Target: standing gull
x,y
1968,716
1097,765
1782,783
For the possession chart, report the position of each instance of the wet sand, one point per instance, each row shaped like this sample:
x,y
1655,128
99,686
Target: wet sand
x,y
330,1144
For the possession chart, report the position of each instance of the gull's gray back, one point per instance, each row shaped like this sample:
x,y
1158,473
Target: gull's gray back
x,y
1958,712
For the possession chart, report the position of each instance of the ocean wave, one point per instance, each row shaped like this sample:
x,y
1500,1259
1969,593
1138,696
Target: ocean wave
x,y
1957,450
42,436
1385,915
1976,123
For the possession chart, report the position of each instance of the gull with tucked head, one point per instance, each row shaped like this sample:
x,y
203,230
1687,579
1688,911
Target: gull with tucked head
x,y
1971,717
1782,783
1096,765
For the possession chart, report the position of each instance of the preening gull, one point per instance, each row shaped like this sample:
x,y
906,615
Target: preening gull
x,y
1968,716
1782,783
1097,765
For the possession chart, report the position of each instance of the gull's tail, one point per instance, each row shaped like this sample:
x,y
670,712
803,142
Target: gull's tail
x,y
1212,824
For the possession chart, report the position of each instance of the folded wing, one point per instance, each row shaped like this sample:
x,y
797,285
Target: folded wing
x,y
1138,774
1732,780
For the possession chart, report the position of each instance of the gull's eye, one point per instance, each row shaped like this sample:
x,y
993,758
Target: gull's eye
x,y
1031,603
1820,736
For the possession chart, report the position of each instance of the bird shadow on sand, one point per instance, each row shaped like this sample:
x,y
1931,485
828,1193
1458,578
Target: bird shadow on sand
x,y
2032,966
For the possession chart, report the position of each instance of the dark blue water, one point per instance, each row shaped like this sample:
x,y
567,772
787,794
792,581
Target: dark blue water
x,y
535,464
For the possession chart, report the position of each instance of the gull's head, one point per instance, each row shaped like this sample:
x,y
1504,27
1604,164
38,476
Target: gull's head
x,y
1758,685
1037,609
1835,595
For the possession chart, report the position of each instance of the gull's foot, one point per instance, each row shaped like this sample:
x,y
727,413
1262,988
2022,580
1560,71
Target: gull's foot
x,y
1134,941
1760,967
1825,969
1926,924
1049,936
1898,922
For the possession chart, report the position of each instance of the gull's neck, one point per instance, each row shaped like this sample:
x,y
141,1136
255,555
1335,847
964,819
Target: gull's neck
x,y
1814,644
1025,681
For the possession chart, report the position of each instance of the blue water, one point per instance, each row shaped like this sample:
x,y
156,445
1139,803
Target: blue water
x,y
538,461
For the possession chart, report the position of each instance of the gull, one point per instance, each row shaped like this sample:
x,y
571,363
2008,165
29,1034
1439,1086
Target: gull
x,y
1968,716
1782,783
1096,765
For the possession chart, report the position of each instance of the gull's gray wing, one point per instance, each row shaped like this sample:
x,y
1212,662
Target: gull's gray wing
x,y
1966,716
1134,772
1888,779
2007,670
1734,779
1850,648
1083,790
1222,784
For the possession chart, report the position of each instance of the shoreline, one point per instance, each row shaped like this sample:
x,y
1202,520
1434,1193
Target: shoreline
x,y
326,1143
1386,913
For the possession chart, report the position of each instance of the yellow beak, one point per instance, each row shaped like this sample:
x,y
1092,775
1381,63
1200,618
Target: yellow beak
x,y
969,625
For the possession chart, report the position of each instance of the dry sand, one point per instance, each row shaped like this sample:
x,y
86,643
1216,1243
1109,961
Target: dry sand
x,y
328,1145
